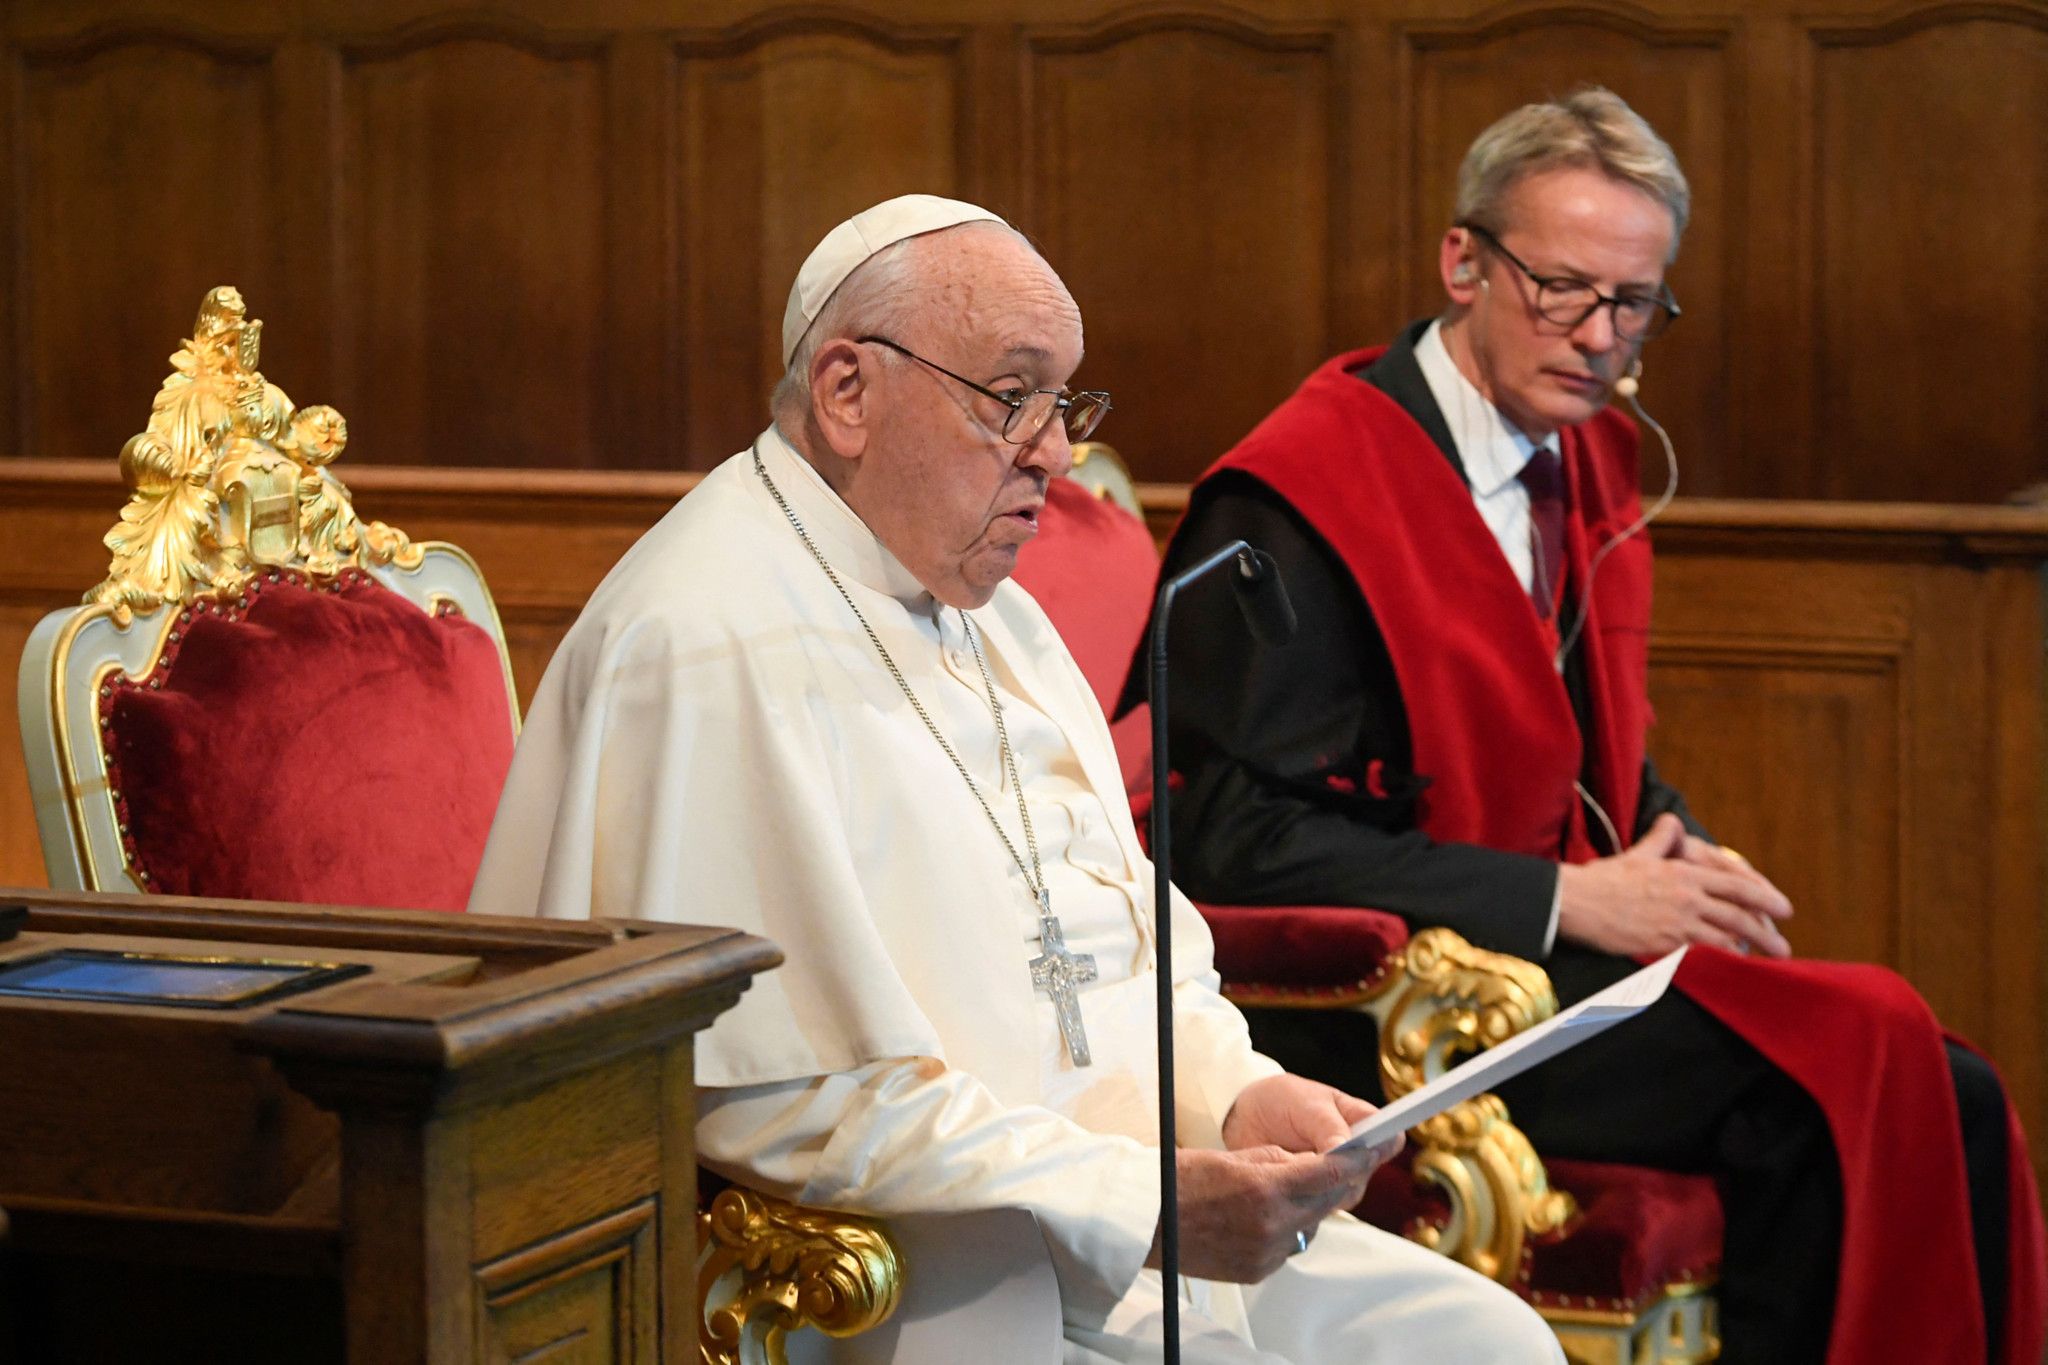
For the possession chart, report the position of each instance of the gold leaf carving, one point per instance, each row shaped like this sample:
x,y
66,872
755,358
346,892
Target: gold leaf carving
x,y
1454,999
229,475
767,1268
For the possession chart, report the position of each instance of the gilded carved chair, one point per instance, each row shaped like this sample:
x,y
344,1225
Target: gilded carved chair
x,y
270,698
1620,1260
265,688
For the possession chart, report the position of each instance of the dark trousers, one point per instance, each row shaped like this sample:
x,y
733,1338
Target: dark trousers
x,y
1676,1089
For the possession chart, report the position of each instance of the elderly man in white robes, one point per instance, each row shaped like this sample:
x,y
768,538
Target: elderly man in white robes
x,y
809,704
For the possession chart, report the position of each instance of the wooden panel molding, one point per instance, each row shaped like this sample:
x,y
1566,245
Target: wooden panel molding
x,y
591,1293
145,162
559,235
1186,177
471,155
777,134
1925,225
1733,711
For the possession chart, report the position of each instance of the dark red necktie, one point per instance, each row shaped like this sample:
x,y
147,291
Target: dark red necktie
x,y
1543,476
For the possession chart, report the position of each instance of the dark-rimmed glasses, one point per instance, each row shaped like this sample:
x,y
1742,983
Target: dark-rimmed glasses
x,y
1567,301
1030,409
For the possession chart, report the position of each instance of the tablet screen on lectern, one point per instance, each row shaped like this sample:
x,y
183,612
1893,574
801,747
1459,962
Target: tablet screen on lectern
x,y
164,978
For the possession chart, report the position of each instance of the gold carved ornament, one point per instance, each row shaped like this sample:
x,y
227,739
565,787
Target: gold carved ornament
x,y
1451,1000
228,476
767,1268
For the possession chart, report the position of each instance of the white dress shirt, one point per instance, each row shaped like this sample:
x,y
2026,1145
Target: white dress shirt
x,y
1494,451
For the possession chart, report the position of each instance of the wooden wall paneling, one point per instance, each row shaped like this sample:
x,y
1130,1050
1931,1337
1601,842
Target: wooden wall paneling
x,y
1929,224
641,394
475,211
1185,184
1951,739
1787,736
1769,375
14,330
304,296
2012,828
1365,227
785,130
992,170
1681,76
145,175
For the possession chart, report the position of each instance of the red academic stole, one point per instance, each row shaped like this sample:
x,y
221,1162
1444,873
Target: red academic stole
x,y
1492,729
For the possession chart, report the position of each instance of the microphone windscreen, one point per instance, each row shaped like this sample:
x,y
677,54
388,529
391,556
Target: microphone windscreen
x,y
1262,597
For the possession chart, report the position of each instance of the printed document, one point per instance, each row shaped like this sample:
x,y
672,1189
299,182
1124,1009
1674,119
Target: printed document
x,y
1595,1014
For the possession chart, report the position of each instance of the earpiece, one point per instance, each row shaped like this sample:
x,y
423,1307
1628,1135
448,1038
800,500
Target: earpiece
x,y
1463,274
1630,384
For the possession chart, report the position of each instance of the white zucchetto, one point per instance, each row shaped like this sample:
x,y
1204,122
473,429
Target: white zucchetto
x,y
845,247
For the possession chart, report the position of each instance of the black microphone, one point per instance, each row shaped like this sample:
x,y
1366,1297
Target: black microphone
x,y
1270,616
1262,597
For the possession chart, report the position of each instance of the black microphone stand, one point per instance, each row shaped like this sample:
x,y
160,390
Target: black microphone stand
x,y
1264,602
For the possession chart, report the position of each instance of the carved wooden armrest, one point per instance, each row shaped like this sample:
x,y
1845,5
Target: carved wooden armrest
x,y
767,1267
1451,999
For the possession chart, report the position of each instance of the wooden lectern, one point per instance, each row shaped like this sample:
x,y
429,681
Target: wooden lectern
x,y
437,1138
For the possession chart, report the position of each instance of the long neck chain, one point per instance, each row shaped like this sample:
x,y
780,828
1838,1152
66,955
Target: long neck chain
x,y
1034,877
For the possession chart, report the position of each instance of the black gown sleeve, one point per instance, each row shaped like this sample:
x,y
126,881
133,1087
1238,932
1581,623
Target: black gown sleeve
x,y
1295,758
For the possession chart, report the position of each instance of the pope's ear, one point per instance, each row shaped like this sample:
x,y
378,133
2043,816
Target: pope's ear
x,y
842,397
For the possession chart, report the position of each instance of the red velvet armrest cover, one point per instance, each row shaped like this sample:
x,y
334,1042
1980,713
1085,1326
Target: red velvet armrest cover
x,y
1303,951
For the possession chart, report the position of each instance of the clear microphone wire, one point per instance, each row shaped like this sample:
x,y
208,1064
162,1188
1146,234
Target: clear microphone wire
x,y
1640,524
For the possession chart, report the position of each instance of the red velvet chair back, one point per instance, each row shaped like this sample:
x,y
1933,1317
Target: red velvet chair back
x,y
327,742
1092,567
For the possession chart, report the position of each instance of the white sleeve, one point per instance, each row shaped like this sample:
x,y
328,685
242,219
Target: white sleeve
x,y
1212,1048
912,1137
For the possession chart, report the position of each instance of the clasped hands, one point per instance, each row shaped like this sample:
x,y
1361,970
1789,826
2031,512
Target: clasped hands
x,y
1670,889
1241,1210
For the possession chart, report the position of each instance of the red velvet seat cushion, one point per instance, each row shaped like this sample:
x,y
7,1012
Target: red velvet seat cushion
x,y
1639,1231
332,744
1092,567
1302,951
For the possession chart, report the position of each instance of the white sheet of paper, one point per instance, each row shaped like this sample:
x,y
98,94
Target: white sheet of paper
x,y
1595,1014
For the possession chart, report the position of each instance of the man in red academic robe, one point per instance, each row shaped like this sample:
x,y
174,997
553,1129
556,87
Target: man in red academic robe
x,y
1457,734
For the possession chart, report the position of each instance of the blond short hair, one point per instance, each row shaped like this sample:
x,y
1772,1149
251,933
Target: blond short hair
x,y
1593,129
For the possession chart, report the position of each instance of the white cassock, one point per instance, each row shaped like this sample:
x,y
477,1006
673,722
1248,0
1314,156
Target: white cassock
x,y
718,742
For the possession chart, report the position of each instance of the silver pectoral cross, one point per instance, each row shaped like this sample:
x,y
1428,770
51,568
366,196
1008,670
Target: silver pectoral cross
x,y
1056,972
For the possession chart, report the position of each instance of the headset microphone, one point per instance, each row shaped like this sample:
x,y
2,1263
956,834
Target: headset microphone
x,y
1629,385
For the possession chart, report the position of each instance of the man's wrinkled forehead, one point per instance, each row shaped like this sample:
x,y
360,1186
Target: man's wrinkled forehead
x,y
990,286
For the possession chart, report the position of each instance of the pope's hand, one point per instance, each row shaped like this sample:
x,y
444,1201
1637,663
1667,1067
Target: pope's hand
x,y
1295,1114
1243,1213
1671,889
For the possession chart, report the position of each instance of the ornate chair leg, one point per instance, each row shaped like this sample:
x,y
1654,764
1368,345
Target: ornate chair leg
x,y
767,1267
